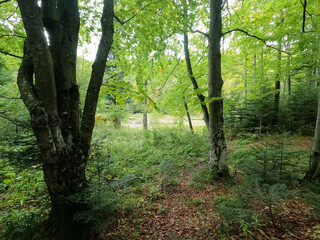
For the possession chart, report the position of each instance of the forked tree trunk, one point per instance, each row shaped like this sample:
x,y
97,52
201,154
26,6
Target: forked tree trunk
x,y
218,149
52,99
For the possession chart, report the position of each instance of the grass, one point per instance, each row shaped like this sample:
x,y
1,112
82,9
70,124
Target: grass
x,y
142,169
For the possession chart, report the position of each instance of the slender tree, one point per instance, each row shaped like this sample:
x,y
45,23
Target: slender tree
x,y
145,102
193,80
48,86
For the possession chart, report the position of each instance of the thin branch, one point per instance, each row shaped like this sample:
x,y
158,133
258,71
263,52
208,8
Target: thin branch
x,y
4,1
304,4
201,57
129,19
206,74
9,54
150,70
254,36
8,35
186,88
165,82
118,19
12,14
203,33
4,116
1,96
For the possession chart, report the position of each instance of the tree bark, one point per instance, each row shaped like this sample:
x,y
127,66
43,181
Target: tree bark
x,y
53,99
188,113
218,149
314,161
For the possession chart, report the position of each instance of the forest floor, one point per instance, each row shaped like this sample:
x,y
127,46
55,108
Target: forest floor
x,y
185,212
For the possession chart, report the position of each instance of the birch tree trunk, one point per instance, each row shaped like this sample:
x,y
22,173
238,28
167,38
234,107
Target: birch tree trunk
x,y
218,149
48,87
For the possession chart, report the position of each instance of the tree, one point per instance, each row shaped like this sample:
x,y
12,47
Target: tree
x,y
314,161
48,86
218,147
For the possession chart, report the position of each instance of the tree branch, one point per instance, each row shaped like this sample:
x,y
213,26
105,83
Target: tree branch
x,y
42,59
8,35
118,19
15,122
165,82
11,55
98,69
198,31
129,19
254,36
11,98
4,1
304,4
12,14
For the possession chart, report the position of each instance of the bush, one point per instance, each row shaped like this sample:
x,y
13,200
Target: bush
x,y
201,177
255,205
22,225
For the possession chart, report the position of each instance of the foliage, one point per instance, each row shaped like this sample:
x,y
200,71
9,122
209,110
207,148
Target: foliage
x,y
168,170
22,225
201,177
272,161
244,211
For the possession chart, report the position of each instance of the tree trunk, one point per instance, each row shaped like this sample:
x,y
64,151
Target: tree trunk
x,y
254,68
200,96
218,149
188,113
245,80
314,161
145,114
276,101
53,98
277,90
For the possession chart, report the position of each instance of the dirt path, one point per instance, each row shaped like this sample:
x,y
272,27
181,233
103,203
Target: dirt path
x,y
183,213
186,213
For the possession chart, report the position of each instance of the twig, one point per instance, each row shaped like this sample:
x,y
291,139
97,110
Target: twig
x,y
1,96
9,54
11,14
129,19
170,75
4,1
14,122
8,35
